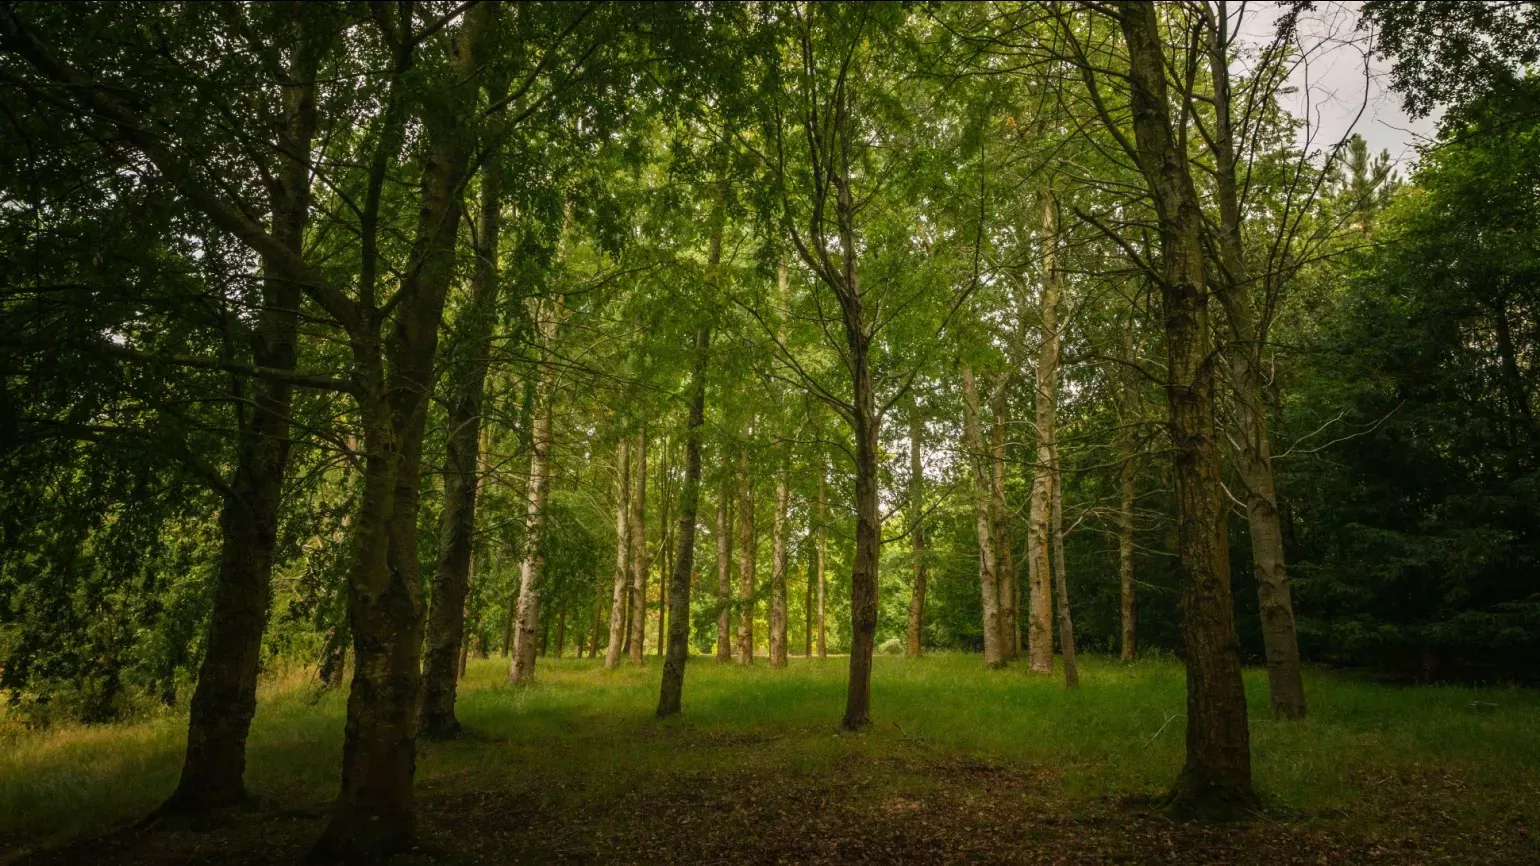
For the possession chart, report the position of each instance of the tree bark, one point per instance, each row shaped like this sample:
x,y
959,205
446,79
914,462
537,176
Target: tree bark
x,y
1061,582
639,552
532,572
1005,565
1254,460
779,563
983,519
1045,400
664,552
1126,481
622,578
916,622
724,575
823,538
1216,777
689,503
746,551
1047,393
467,375
225,699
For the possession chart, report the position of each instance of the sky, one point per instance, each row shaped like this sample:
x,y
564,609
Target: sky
x,y
1333,89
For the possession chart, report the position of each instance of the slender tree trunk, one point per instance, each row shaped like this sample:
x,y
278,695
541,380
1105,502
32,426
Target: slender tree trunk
x,y
823,539
593,628
746,553
724,575
978,461
561,630
1126,481
807,613
689,503
622,577
532,572
1045,399
1061,583
916,538
664,573
470,356
1005,566
1217,773
225,698
780,561
639,552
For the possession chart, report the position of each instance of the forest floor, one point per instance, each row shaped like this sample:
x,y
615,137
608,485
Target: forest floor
x,y
962,764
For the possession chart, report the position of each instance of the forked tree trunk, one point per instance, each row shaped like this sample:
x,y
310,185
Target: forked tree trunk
x,y
639,551
622,577
689,503
225,698
532,572
983,519
780,561
916,538
467,374
1253,454
1216,777
724,575
746,553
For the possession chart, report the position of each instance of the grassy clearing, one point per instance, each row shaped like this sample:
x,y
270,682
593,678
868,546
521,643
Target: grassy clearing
x,y
1408,772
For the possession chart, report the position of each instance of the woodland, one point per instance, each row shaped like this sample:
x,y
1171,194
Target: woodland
x,y
483,431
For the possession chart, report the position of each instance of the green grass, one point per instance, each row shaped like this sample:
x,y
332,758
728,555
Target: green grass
x,y
1369,761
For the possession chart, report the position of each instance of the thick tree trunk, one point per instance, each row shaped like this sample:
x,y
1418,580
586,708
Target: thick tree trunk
x,y
639,552
983,519
532,572
916,538
1217,773
779,563
863,573
225,698
467,380
823,538
724,575
1254,459
689,503
746,551
622,578
1005,565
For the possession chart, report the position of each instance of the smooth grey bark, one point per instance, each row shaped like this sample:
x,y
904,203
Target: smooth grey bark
x,y
983,520
622,577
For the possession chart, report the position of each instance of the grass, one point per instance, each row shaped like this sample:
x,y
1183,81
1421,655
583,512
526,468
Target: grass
x,y
575,767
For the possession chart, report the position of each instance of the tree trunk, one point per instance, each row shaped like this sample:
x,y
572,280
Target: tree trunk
x,y
1217,774
532,572
1254,455
1047,434
664,496
746,551
823,538
863,573
916,538
724,575
780,561
1005,566
1061,582
1128,607
622,577
470,356
561,631
639,551
225,698
978,462
1045,400
689,502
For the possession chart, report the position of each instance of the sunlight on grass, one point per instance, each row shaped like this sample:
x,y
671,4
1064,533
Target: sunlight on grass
x,y
582,735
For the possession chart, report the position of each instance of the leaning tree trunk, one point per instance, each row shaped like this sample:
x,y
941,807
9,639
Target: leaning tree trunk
x,y
1217,773
689,502
225,698
746,551
622,577
1253,454
978,462
467,374
526,637
779,562
916,538
724,575
639,551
